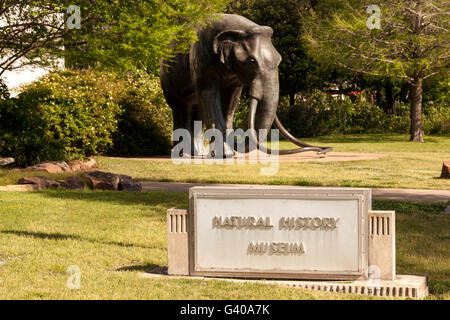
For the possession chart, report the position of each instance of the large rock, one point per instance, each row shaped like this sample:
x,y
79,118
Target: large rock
x,y
43,183
73,183
446,170
77,165
6,161
99,180
127,183
51,167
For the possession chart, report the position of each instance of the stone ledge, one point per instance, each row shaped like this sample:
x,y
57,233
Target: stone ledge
x,y
19,188
404,286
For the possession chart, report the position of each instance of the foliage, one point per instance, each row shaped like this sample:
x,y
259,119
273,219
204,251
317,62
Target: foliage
x,y
123,34
412,42
33,31
322,114
74,114
65,115
136,34
145,127
318,113
4,92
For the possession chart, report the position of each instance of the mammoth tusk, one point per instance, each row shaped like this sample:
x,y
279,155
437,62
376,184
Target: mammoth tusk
x,y
294,140
304,147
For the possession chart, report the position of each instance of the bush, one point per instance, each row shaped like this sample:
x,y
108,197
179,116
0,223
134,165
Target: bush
x,y
322,114
74,114
145,127
4,92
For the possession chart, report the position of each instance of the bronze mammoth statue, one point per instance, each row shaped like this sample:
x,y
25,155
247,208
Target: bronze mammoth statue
x,y
206,83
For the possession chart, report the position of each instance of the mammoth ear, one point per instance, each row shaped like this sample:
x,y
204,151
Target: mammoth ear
x,y
225,41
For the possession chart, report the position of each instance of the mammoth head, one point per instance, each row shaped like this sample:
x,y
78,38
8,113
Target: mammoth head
x,y
246,51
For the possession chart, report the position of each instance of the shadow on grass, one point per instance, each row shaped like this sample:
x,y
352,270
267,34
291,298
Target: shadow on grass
x,y
372,138
147,198
59,236
147,268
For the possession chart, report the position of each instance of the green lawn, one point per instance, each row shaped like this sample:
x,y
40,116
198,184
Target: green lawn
x,y
114,237
406,165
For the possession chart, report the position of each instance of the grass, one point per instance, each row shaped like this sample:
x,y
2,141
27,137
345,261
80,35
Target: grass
x,y
405,165
114,237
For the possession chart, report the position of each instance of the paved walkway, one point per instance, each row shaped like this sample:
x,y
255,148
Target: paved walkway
x,y
393,194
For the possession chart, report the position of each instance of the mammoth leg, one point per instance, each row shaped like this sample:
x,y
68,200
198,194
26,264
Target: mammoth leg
x,y
211,106
230,99
196,129
211,109
181,120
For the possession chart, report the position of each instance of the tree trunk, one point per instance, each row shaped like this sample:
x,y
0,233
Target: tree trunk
x,y
389,105
291,100
416,130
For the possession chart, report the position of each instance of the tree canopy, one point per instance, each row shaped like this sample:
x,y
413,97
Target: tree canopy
x,y
412,41
122,34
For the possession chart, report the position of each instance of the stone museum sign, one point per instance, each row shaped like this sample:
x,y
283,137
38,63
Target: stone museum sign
x,y
308,237
260,232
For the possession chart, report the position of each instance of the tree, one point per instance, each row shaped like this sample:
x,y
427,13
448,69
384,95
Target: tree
x,y
31,33
123,34
412,42
137,33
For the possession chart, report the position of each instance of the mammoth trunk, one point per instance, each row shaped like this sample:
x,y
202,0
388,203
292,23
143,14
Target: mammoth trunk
x,y
262,114
264,103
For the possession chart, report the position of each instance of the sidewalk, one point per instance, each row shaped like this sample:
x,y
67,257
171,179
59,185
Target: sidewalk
x,y
392,194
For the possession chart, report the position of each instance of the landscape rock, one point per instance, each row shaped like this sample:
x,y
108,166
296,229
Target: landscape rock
x,y
51,167
127,183
445,170
73,183
77,165
6,161
99,180
43,183
447,210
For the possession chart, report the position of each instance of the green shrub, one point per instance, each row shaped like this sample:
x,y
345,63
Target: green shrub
x,y
322,114
145,127
4,92
74,114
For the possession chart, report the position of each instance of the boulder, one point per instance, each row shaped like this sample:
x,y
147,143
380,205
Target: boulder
x,y
51,167
99,180
43,183
6,161
73,183
127,183
77,165
445,170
